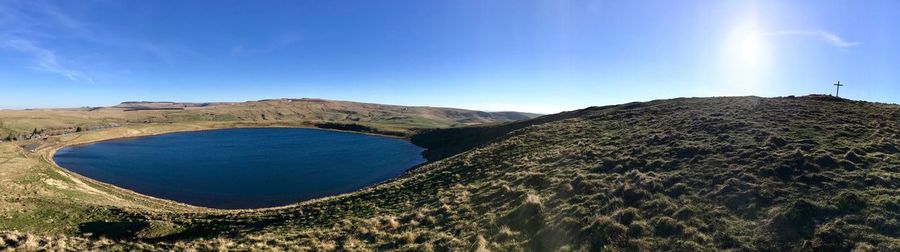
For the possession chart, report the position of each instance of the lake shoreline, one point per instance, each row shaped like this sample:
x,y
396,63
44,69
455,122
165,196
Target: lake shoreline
x,y
47,153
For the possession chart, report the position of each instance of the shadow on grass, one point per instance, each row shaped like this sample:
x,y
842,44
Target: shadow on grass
x,y
112,229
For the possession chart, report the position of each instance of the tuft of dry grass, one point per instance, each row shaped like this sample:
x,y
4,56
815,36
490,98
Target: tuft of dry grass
x,y
481,244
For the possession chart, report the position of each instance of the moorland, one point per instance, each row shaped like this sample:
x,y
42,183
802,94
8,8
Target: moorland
x,y
726,173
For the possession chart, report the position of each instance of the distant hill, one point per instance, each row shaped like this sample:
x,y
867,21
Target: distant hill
x,y
329,110
152,104
369,117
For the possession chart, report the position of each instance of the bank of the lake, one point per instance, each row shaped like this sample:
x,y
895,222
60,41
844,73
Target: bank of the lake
x,y
107,195
243,168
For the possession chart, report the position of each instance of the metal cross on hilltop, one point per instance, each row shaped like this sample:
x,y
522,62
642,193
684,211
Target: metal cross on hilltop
x,y
838,92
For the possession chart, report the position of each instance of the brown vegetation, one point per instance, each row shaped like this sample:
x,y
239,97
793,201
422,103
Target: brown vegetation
x,y
742,173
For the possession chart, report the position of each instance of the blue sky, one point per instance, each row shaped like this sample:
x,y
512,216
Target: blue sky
x,y
536,56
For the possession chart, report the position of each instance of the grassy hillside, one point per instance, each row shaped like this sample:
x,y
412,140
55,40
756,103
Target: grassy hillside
x,y
741,173
378,118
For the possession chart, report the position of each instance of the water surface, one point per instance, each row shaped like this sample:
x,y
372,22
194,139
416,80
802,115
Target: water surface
x,y
243,168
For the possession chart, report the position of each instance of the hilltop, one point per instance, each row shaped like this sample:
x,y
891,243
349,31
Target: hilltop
x,y
732,173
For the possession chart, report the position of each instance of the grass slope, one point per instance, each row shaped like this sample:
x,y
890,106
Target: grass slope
x,y
740,173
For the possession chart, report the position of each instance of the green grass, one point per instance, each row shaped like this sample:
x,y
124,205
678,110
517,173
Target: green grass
x,y
741,173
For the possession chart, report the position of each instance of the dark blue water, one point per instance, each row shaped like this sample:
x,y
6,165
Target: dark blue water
x,y
243,168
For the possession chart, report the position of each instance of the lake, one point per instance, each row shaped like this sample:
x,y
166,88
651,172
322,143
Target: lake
x,y
243,168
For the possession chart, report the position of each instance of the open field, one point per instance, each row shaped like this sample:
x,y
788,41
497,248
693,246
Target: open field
x,y
738,173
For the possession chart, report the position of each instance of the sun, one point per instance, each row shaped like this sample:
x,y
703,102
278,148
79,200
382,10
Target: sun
x,y
745,46
745,58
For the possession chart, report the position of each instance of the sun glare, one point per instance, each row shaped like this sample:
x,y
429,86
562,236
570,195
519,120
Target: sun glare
x,y
747,47
745,58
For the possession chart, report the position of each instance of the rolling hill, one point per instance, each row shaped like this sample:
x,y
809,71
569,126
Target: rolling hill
x,y
376,118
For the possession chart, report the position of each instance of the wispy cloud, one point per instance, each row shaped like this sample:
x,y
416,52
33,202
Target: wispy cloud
x,y
46,60
24,24
42,31
39,20
827,37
